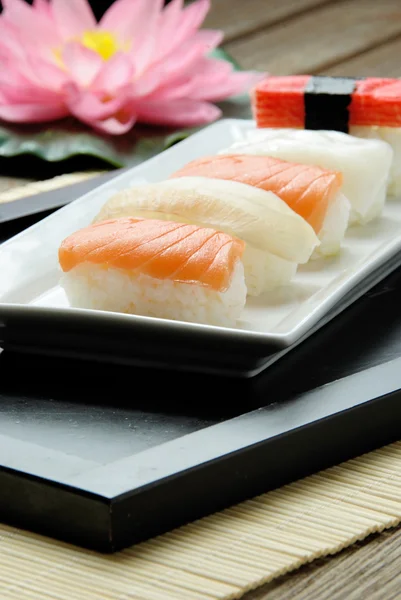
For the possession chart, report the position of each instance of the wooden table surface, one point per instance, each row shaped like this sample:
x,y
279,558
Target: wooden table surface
x,y
336,37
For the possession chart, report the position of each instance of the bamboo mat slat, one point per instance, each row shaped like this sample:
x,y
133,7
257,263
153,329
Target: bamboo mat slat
x,y
221,556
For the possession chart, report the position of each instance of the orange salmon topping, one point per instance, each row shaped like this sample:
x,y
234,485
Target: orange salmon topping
x,y
160,249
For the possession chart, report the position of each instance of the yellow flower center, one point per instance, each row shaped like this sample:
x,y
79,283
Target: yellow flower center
x,y
102,42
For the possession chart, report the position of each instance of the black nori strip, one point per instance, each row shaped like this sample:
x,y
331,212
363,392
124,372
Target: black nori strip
x,y
326,102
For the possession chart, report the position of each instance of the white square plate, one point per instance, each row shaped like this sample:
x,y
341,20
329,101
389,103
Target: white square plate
x,y
35,316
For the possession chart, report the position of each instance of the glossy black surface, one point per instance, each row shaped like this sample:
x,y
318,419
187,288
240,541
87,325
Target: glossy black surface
x,y
96,413
104,456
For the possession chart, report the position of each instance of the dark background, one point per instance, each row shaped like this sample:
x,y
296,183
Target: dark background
x,y
99,7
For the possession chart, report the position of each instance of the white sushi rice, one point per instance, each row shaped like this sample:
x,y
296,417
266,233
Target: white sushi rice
x,y
334,227
265,271
391,135
108,289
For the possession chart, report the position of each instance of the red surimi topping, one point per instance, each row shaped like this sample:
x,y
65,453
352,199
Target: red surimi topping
x,y
376,101
280,102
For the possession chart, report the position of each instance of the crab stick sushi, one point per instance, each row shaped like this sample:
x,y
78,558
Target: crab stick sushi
x,y
277,238
365,107
155,268
312,192
364,164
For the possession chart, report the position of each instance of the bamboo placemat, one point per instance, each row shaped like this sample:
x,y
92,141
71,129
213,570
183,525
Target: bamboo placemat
x,y
221,556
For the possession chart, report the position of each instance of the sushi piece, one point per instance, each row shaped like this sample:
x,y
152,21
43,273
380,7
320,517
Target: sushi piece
x,y
391,136
312,192
365,107
155,268
277,239
365,164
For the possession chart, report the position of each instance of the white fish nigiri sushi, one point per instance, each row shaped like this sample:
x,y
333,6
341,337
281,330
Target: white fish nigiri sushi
x,y
364,164
392,136
277,239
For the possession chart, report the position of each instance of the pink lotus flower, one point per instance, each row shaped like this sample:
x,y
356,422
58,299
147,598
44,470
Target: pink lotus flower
x,y
140,63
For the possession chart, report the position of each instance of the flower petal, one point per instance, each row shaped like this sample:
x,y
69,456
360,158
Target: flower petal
x,y
191,19
113,116
16,59
114,126
130,18
184,58
73,17
139,30
10,42
46,74
168,23
149,81
88,106
181,113
115,74
173,71
143,51
11,76
237,83
20,92
213,80
32,23
32,113
82,63
42,6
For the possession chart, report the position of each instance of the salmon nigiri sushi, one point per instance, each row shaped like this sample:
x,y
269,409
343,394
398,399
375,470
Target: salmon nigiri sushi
x,y
312,192
155,268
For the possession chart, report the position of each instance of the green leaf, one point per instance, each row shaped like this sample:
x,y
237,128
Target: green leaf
x,y
68,139
221,54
